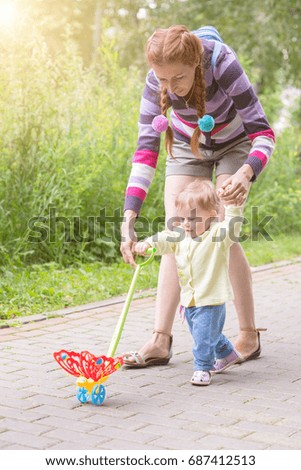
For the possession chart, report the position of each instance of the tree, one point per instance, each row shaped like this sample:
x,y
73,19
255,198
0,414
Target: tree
x,y
268,33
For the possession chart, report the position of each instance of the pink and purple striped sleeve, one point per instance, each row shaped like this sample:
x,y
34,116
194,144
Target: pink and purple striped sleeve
x,y
263,143
233,80
145,158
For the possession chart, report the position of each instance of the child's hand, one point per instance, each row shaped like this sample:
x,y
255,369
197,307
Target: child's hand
x,y
142,247
225,195
222,192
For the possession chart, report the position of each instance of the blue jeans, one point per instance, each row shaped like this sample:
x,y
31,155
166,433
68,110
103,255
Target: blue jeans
x,y
206,326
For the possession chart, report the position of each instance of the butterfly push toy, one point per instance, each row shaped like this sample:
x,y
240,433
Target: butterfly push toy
x,y
92,371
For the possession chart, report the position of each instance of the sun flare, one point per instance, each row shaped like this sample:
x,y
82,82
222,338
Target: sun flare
x,y
8,13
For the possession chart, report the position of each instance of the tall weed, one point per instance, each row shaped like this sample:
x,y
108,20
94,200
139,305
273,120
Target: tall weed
x,y
277,193
66,144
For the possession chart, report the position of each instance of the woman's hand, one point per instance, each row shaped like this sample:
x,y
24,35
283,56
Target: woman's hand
x,y
128,237
235,189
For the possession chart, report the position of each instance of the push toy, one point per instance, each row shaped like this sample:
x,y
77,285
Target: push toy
x,y
92,371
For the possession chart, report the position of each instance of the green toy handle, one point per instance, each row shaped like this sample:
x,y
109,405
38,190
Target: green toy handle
x,y
119,327
151,252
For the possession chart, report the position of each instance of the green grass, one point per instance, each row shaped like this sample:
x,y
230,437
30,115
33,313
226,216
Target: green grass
x,y
43,288
283,247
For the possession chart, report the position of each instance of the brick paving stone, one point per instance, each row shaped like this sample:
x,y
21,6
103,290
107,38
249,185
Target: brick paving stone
x,y
132,423
279,447
140,437
81,438
9,424
217,442
171,443
141,420
124,444
24,415
255,426
4,444
76,413
72,425
249,416
67,445
253,406
15,447
177,433
21,437
275,438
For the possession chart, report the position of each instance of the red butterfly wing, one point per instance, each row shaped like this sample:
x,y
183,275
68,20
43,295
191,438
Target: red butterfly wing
x,y
69,361
87,365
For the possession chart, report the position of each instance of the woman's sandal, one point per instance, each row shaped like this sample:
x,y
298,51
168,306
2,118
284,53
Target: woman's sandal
x,y
135,360
255,354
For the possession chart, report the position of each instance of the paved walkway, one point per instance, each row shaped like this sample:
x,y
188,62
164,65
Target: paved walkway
x,y
252,406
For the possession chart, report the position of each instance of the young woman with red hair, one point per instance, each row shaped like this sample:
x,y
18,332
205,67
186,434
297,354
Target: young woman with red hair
x,y
193,77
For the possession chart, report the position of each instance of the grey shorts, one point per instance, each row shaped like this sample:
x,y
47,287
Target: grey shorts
x,y
224,161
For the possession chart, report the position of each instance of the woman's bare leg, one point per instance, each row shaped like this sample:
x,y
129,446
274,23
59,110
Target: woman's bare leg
x,y
168,291
168,296
241,280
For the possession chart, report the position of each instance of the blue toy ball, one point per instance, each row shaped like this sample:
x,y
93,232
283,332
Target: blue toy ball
x,y
206,123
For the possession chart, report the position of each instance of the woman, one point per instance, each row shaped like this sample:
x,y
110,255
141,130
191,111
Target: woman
x,y
185,77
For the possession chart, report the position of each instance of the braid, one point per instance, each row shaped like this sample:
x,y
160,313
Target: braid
x,y
178,45
200,98
169,132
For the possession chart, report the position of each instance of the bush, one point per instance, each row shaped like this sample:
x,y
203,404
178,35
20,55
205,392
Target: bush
x,y
66,147
277,193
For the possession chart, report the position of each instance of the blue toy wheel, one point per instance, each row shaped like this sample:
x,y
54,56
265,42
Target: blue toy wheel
x,y
98,394
82,394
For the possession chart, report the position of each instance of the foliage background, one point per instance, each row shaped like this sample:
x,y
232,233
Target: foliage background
x,y
71,77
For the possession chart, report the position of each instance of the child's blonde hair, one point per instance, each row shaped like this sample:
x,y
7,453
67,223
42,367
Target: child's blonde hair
x,y
199,194
178,44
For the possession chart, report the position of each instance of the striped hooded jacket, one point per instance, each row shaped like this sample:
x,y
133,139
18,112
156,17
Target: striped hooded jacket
x,y
230,100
